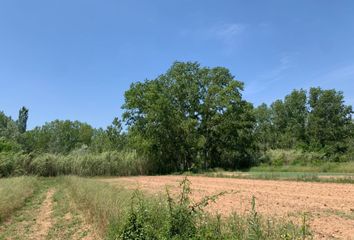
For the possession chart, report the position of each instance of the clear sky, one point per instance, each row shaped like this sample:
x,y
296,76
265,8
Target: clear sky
x,y
73,59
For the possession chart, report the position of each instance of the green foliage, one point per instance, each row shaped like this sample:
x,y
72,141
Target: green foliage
x,y
264,129
279,157
296,112
14,164
8,145
22,120
107,205
140,221
305,161
330,121
45,165
184,214
255,223
58,137
8,127
100,141
191,116
14,192
288,120
81,162
315,122
115,136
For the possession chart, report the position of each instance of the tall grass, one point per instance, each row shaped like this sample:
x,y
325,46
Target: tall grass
x,y
103,203
280,160
89,164
14,192
80,163
126,214
125,163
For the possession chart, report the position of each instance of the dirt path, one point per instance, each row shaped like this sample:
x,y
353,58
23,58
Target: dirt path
x,y
51,214
44,220
20,224
69,222
331,206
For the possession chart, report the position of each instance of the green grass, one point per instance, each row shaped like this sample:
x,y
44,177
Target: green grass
x,y
19,224
329,172
102,203
68,221
14,192
326,167
286,176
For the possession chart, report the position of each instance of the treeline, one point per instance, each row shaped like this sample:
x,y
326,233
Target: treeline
x,y
314,121
59,137
189,118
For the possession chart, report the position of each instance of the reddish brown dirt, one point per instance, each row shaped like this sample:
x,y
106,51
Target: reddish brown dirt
x,y
331,206
44,221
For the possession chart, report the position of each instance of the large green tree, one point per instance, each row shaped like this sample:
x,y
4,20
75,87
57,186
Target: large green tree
x,y
330,120
191,116
317,121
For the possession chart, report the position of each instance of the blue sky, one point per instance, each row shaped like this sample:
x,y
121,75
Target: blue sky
x,y
66,59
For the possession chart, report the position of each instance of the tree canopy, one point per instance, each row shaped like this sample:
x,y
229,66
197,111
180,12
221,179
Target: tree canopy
x,y
191,116
318,121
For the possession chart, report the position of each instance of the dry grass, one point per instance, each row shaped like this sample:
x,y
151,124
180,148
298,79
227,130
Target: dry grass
x,y
14,192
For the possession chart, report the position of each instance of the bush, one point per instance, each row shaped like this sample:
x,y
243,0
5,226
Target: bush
x,y
280,157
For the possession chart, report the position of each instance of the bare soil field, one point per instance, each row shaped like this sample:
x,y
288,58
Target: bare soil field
x,y
329,206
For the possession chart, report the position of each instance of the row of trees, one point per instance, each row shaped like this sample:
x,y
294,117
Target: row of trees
x,y
317,120
195,117
58,137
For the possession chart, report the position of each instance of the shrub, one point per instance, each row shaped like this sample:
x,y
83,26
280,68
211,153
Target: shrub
x,y
280,157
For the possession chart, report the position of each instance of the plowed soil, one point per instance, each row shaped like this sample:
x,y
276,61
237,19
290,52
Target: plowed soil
x,y
329,205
